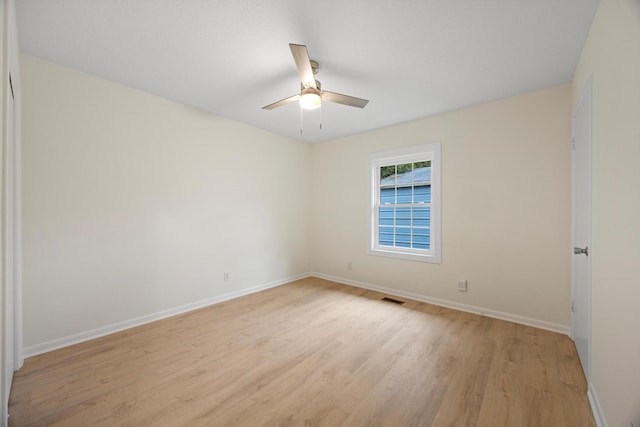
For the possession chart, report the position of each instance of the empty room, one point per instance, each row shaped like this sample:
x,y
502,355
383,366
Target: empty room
x,y
356,213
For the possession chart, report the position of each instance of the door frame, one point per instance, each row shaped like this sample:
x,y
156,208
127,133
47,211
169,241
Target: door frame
x,y
11,347
585,96
14,182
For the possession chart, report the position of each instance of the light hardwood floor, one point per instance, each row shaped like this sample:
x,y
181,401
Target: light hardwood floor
x,y
309,353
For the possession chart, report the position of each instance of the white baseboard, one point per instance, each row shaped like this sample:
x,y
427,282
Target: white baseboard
x,y
595,407
528,321
131,323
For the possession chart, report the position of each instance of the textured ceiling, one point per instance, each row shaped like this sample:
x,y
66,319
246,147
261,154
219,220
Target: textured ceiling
x,y
410,58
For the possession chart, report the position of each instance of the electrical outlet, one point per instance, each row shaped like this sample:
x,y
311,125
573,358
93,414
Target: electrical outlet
x,y
462,285
226,276
349,266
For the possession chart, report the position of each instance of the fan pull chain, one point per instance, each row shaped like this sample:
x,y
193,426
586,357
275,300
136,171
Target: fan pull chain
x,y
300,119
320,116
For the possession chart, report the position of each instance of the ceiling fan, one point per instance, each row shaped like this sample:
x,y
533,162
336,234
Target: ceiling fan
x,y
311,94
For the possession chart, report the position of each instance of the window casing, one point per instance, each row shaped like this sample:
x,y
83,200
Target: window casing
x,y
405,203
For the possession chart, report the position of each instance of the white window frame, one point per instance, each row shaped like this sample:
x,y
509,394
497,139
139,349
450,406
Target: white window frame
x,y
417,153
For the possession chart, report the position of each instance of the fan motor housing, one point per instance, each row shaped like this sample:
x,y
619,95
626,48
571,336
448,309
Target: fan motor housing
x,y
318,86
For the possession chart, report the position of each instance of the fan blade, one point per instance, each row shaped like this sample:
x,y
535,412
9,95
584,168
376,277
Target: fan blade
x,y
281,102
339,98
301,56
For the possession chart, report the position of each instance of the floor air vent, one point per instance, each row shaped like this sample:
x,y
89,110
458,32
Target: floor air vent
x,y
395,301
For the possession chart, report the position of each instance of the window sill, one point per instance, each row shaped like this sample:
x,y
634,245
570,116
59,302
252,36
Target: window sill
x,y
410,256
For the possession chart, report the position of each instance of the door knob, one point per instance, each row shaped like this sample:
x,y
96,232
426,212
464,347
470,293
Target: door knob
x,y
579,251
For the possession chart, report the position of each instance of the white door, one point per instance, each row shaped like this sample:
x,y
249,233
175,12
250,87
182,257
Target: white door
x,y
581,229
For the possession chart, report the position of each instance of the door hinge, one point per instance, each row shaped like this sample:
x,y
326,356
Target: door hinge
x,y
573,306
573,142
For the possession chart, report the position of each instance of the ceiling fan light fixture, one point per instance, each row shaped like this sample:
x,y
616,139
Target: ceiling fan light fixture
x,y
311,94
310,99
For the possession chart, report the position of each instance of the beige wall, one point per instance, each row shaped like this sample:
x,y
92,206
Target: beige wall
x,y
612,56
134,204
505,208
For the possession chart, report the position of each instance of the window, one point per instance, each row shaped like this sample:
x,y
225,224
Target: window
x,y
405,203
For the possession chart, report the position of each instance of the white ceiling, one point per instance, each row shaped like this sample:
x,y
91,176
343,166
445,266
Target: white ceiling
x,y
410,58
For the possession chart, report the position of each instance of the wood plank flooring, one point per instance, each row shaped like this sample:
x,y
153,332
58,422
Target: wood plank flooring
x,y
309,353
